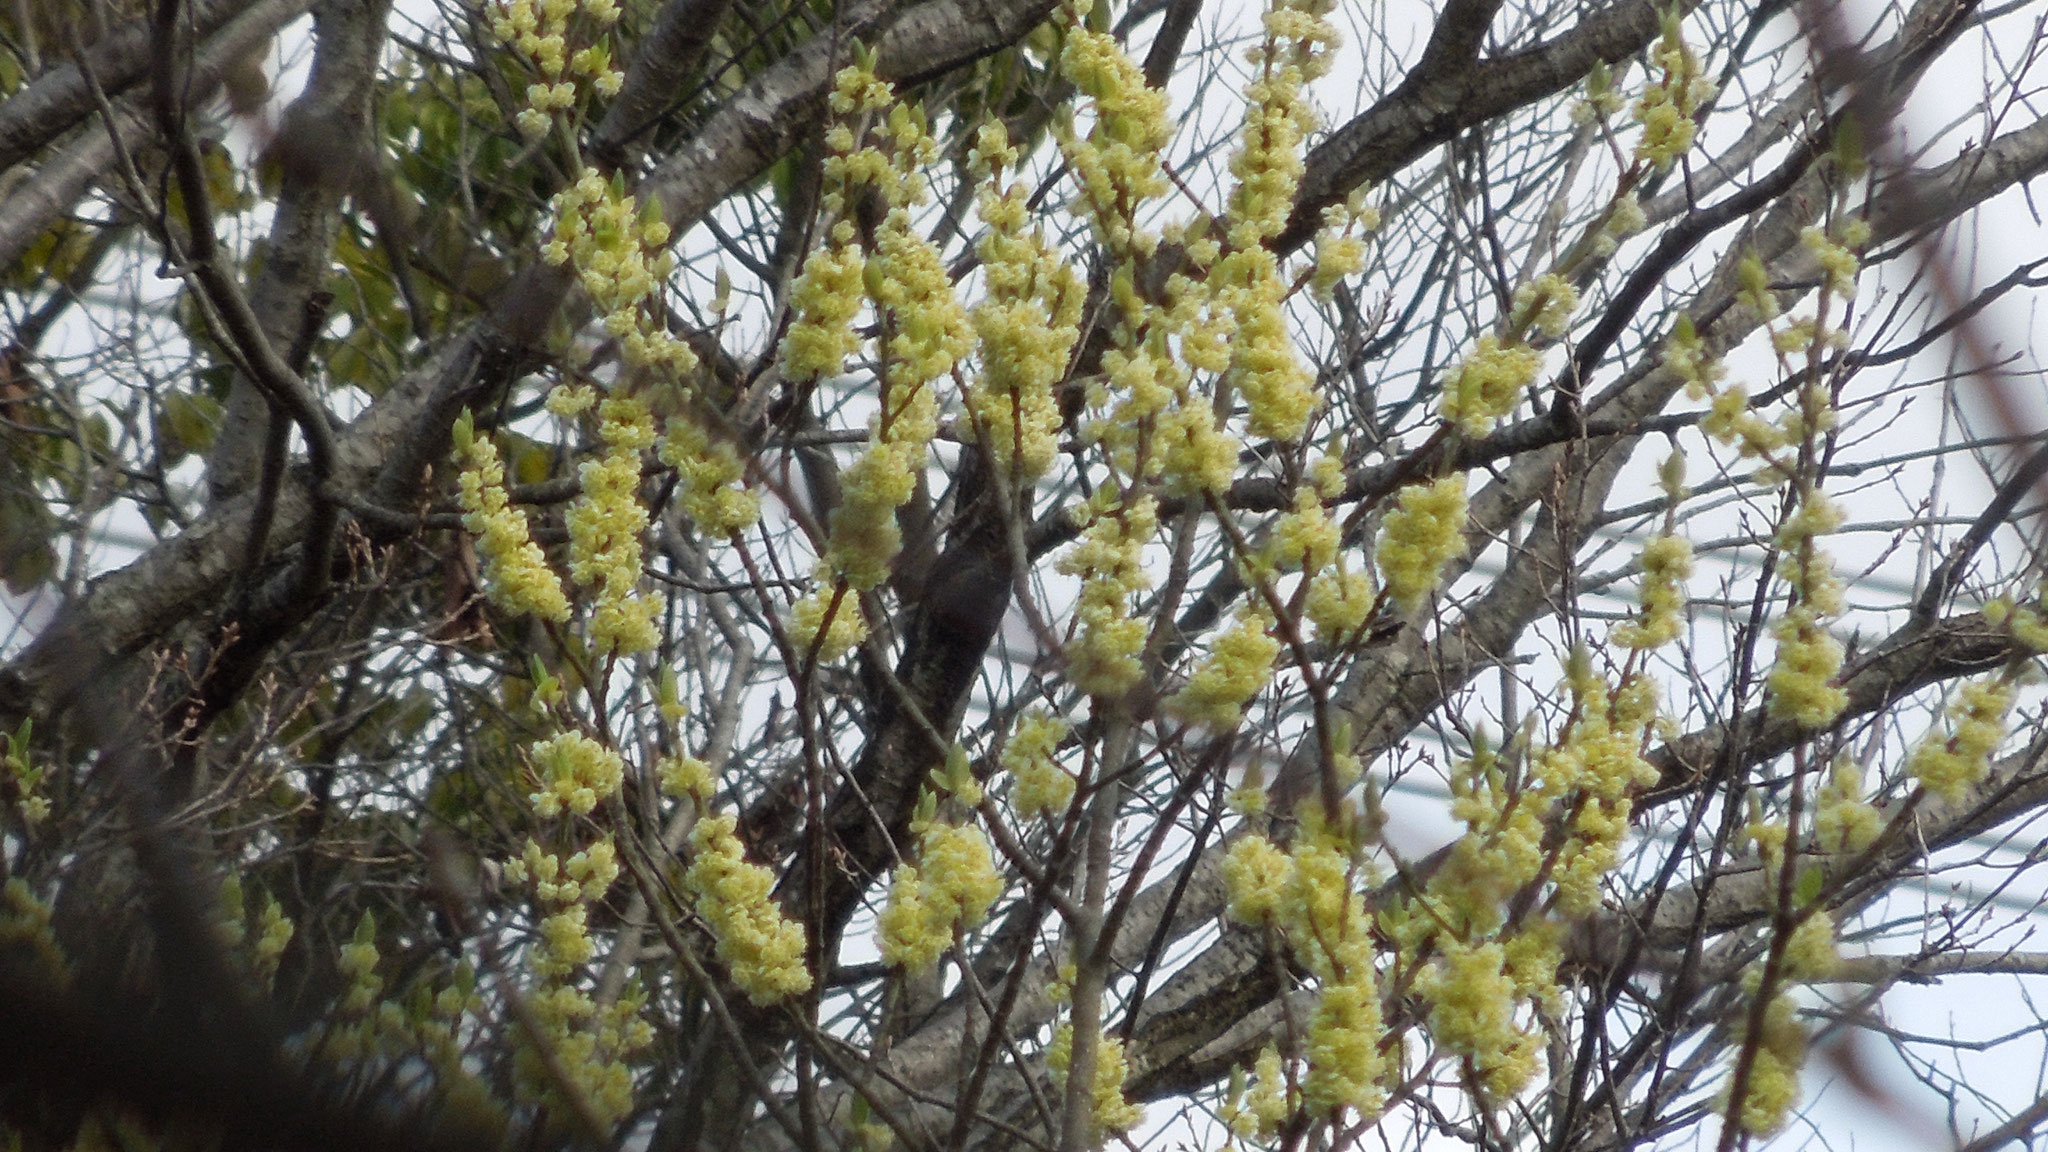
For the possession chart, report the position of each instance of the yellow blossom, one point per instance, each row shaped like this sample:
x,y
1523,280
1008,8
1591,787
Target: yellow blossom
x,y
605,525
1545,304
1111,1111
1773,1085
710,491
831,624
1339,601
1472,1013
685,776
1838,264
1667,562
1843,821
1949,767
516,573
1103,658
1687,357
763,949
1239,664
1426,531
1487,384
1026,325
1345,1067
1666,109
575,772
1801,679
1117,163
1269,1102
951,887
1030,757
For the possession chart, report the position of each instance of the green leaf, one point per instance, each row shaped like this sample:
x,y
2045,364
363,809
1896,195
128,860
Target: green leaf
x,y
186,423
27,558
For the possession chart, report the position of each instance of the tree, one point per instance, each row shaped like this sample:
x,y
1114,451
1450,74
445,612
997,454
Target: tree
x,y
743,574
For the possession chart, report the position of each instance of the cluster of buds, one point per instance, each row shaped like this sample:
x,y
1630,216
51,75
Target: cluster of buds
x,y
619,249
538,30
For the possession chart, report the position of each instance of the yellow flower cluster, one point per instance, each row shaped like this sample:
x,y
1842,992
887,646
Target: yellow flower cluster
x,y
927,334
1477,968
585,876
1602,101
538,31
828,293
836,277
1307,896
951,886
1026,324
827,621
1340,251
1487,384
1345,1066
1801,680
1667,563
1599,759
592,1045
1117,164
274,930
516,574
575,774
1667,107
710,489
618,248
1111,1111
1687,357
928,330
824,300
1030,756
1950,767
26,927
1159,425
1545,305
1730,421
1304,537
1500,852
605,523
1625,218
1844,823
1419,537
357,966
1102,658
1338,599
2025,622
1268,165
762,948
1780,1043
1255,1112
1279,391
1472,1012
1240,663
1836,256
1773,1086
1753,292
686,778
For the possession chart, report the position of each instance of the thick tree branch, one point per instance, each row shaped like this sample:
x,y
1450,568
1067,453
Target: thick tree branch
x,y
61,99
